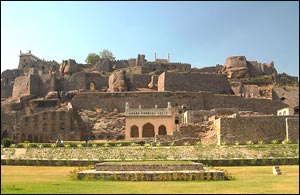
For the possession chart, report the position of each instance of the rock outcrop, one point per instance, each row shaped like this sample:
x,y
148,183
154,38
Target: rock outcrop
x,y
238,67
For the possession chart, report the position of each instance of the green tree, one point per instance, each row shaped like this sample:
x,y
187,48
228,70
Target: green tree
x,y
92,58
106,54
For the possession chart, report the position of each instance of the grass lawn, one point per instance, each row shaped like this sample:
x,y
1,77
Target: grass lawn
x,y
55,180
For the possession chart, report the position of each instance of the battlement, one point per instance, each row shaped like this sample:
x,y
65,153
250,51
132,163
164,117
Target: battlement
x,y
148,111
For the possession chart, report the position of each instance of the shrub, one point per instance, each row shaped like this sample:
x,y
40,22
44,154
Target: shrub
x,y
171,143
33,145
119,145
157,144
6,142
275,141
46,145
67,145
132,144
237,143
12,145
261,142
20,145
53,145
285,141
187,143
249,142
105,144
40,145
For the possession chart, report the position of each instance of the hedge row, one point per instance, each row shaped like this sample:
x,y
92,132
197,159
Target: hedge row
x,y
223,162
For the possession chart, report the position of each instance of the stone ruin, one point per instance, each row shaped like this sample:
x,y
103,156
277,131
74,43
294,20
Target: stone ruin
x,y
93,98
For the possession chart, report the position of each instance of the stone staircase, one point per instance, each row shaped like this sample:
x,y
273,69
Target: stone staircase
x,y
276,170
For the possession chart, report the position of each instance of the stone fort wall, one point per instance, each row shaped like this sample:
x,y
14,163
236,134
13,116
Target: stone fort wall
x,y
255,128
193,81
193,100
139,81
48,125
82,80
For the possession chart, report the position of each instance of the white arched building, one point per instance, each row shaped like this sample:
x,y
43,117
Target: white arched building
x,y
146,123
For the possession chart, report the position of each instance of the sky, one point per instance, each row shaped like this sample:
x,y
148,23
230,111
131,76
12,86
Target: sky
x,y
199,33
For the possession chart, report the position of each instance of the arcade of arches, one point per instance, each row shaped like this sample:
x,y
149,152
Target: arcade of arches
x,y
148,127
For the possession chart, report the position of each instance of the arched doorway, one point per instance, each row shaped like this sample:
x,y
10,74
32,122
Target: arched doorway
x,y
148,130
162,130
92,86
134,131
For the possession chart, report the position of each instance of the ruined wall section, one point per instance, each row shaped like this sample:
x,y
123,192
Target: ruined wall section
x,y
48,125
7,81
259,128
26,85
82,80
192,81
157,66
292,129
287,94
139,81
193,100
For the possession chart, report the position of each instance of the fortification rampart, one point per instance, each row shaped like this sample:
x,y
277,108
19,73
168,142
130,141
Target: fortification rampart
x,y
193,100
139,81
193,81
255,128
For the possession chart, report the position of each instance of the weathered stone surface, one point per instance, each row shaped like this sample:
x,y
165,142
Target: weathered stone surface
x,y
117,82
51,94
68,67
238,67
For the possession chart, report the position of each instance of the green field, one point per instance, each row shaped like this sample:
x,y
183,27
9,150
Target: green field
x,y
55,180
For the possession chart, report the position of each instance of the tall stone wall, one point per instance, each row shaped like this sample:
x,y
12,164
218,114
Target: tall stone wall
x,y
193,100
47,84
26,85
7,81
193,81
287,94
48,125
139,81
257,128
156,66
292,128
82,80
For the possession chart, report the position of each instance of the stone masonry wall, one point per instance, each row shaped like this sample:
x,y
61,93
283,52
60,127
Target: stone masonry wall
x,y
26,85
258,128
193,81
139,81
292,129
193,100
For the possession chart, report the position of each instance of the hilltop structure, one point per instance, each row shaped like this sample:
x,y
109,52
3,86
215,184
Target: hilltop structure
x,y
43,100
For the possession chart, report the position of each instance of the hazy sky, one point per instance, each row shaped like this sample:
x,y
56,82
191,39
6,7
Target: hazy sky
x,y
200,33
